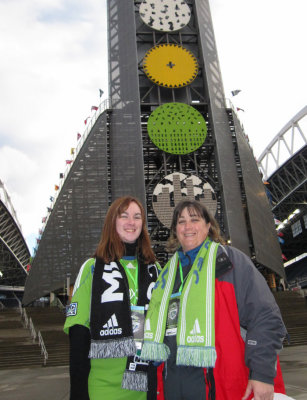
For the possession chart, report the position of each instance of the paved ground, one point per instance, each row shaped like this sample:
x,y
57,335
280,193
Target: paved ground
x,y
52,383
45,383
294,369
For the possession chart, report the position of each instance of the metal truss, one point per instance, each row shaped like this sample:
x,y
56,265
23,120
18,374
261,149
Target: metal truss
x,y
287,185
288,192
14,252
157,163
285,144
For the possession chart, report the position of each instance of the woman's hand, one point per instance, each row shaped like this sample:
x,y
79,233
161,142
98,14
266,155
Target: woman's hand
x,y
261,390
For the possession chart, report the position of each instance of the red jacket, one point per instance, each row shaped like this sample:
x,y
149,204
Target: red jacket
x,y
230,372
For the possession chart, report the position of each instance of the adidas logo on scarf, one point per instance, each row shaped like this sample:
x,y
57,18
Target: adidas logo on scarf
x,y
111,327
195,331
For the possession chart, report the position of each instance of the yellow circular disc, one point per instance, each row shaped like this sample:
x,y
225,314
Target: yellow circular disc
x,y
170,65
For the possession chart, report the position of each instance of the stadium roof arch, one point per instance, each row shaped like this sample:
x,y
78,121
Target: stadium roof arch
x,y
284,167
14,252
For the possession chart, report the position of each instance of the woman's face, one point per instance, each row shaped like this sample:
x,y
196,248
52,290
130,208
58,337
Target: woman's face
x,y
191,229
129,223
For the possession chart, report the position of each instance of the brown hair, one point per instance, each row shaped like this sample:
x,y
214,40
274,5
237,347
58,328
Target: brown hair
x,y
202,211
110,246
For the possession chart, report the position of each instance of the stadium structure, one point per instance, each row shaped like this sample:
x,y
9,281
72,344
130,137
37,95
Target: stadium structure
x,y
284,167
165,133
14,253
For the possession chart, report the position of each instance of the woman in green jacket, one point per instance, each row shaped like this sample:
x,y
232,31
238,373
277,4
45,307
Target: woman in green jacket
x,y
105,319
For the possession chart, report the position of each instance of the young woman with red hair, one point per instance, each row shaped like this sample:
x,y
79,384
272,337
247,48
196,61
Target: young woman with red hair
x,y
105,319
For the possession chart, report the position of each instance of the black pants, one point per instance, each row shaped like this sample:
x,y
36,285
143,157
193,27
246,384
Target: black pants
x,y
184,383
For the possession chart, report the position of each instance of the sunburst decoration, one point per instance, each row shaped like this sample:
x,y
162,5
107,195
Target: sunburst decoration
x,y
170,65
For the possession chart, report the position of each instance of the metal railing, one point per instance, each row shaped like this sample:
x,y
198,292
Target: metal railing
x,y
29,324
298,282
24,317
43,347
57,303
32,330
18,301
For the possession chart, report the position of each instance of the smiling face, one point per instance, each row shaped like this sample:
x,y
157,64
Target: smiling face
x,y
129,223
191,229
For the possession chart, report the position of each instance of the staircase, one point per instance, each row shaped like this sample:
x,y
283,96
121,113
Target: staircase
x,y
50,321
293,308
17,349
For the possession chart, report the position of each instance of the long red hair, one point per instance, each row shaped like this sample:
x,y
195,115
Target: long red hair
x,y
110,246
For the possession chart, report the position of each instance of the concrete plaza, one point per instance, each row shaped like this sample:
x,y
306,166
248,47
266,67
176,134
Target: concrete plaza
x,y
52,383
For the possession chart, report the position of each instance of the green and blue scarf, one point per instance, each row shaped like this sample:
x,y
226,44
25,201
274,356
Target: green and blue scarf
x,y
195,331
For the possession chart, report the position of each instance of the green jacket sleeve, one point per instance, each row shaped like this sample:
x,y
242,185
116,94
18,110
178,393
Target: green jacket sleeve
x,y
78,312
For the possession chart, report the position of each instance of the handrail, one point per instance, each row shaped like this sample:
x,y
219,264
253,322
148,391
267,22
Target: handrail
x,y
43,347
20,308
32,330
60,304
24,317
18,301
28,323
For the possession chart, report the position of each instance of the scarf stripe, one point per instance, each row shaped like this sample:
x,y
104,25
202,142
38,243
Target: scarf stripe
x,y
210,297
183,318
163,309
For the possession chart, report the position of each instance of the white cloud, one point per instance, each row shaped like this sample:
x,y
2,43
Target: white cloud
x,y
54,60
53,63
261,51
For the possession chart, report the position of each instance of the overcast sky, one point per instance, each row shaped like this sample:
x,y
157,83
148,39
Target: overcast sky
x,y
54,61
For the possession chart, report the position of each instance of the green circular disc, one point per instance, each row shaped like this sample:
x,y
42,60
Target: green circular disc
x,y
177,128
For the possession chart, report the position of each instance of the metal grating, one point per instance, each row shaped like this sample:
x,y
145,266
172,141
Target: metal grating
x,y
74,226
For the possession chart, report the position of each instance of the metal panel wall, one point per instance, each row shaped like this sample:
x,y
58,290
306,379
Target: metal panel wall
x,y
234,216
265,242
126,149
74,226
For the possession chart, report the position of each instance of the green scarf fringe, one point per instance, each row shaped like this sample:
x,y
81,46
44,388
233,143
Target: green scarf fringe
x,y
155,351
118,348
196,356
135,381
